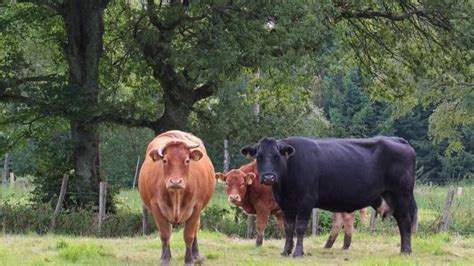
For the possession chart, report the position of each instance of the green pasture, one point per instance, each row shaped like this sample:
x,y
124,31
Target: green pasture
x,y
377,249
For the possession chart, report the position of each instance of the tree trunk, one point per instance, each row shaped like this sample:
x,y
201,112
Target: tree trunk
x,y
180,91
84,27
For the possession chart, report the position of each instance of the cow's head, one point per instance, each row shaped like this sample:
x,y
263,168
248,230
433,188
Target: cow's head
x,y
236,182
272,158
175,158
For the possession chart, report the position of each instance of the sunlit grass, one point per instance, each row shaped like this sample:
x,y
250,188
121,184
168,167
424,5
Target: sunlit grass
x,y
218,249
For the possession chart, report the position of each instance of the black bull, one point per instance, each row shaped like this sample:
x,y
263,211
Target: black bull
x,y
339,175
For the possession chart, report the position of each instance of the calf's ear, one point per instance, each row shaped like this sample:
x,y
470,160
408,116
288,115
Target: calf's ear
x,y
195,155
249,178
287,150
249,151
155,155
220,176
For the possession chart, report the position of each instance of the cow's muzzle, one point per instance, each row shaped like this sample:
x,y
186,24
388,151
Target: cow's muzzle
x,y
175,183
268,179
234,198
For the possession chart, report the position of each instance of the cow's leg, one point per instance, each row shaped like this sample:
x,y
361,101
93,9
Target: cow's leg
x,y
195,247
301,225
190,229
336,227
348,220
280,222
289,220
263,214
165,233
404,214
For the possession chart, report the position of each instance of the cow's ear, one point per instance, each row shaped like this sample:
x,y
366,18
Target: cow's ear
x,y
220,176
249,178
287,151
155,155
195,155
249,151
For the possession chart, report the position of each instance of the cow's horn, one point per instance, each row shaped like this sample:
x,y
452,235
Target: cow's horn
x,y
192,146
161,151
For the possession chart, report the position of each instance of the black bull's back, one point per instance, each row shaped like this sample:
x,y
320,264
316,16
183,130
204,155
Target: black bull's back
x,y
344,175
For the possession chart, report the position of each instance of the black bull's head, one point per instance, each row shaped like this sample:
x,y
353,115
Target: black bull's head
x,y
272,158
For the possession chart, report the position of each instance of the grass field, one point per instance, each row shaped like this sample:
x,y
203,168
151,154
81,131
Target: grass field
x,y
379,249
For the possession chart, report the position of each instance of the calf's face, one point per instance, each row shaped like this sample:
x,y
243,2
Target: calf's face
x,y
272,158
176,158
236,182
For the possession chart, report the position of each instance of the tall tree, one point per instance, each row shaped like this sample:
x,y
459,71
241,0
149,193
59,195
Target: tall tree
x,y
76,100
84,26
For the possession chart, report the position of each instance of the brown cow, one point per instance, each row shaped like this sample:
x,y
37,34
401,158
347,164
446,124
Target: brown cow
x,y
346,220
176,183
245,191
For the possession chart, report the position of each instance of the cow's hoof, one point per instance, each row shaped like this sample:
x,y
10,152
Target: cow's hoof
x,y
406,252
285,253
298,253
165,262
345,247
198,259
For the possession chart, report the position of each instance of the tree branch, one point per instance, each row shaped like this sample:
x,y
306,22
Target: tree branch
x,y
203,91
434,17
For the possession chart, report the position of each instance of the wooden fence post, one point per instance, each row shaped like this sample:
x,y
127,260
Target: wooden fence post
x,y
226,156
315,221
102,203
250,226
136,173
12,180
145,221
5,169
373,216
447,207
59,204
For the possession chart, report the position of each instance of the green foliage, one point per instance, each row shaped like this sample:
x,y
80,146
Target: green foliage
x,y
242,113
350,110
409,62
120,149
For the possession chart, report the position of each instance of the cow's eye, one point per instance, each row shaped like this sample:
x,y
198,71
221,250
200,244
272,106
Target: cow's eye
x,y
165,161
186,161
276,157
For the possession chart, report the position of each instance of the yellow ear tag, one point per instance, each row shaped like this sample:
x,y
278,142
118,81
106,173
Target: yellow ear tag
x,y
286,155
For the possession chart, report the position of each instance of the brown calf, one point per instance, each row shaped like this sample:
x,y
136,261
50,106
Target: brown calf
x,y
245,191
176,182
346,220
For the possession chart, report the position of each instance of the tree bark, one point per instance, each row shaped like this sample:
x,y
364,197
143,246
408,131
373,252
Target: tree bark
x,y
84,27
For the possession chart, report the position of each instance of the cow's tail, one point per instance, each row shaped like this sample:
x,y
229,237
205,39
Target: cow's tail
x,y
414,218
